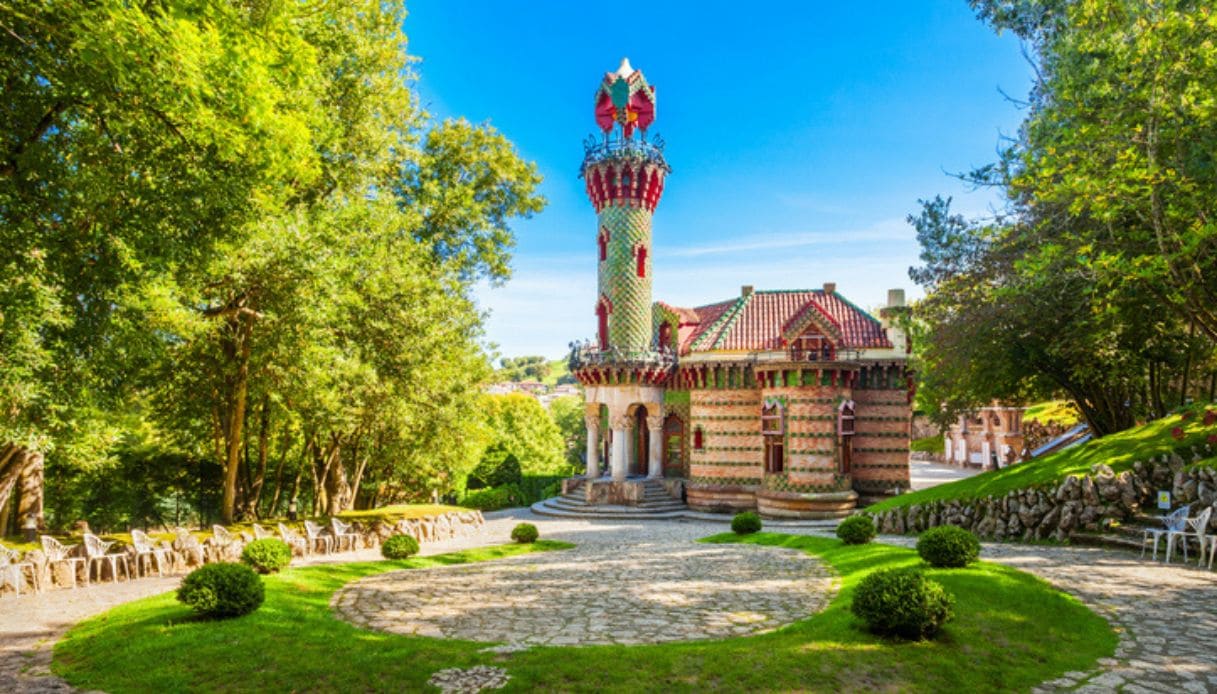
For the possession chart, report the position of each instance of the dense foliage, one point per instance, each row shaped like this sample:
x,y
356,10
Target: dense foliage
x,y
746,523
948,547
1098,279
399,547
902,602
495,498
233,240
222,590
856,530
266,556
525,533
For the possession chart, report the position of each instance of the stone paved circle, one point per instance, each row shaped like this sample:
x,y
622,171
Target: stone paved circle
x,y
627,593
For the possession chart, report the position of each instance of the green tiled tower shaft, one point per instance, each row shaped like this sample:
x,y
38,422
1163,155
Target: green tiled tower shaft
x,y
628,232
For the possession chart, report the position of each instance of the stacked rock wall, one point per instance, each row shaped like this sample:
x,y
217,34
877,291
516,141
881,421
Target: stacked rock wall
x,y
1083,502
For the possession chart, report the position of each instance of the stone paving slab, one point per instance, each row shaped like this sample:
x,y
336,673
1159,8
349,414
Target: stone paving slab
x,y
623,592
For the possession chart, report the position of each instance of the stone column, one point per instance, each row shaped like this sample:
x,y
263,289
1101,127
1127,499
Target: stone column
x,y
617,461
593,443
655,452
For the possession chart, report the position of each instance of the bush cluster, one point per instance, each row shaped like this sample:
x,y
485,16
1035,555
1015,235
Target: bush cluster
x,y
948,546
902,602
267,555
399,547
525,533
856,530
498,467
495,498
222,590
746,523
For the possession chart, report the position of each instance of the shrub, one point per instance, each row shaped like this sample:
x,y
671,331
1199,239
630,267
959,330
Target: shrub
x,y
222,590
524,533
497,467
856,530
399,547
746,523
494,499
902,602
948,546
267,555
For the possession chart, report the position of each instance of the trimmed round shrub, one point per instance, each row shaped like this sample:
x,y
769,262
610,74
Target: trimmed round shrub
x,y
902,602
267,555
856,530
222,590
525,533
948,547
399,547
746,523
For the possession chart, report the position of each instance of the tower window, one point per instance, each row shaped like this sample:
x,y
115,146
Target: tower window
x,y
699,439
642,261
602,241
602,314
772,430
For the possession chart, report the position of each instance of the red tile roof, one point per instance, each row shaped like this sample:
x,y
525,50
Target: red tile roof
x,y
759,320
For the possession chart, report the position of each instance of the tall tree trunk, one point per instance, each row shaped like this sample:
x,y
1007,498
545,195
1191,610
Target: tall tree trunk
x,y
255,489
12,466
1187,363
283,451
31,503
242,326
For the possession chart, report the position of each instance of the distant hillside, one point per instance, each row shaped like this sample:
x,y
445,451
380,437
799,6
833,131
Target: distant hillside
x,y
551,372
1194,429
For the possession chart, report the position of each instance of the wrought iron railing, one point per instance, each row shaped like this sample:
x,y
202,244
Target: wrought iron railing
x,y
613,147
588,353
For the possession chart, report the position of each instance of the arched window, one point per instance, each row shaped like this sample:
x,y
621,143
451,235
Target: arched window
x,y
699,439
641,254
665,336
772,431
602,241
845,418
602,317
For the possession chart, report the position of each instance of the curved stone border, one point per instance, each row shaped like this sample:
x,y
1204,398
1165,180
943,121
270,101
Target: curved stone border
x,y
629,593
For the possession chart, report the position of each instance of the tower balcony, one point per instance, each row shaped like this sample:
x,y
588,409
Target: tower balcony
x,y
594,366
624,171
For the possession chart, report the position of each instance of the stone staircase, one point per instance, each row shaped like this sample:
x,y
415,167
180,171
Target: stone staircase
x,y
656,504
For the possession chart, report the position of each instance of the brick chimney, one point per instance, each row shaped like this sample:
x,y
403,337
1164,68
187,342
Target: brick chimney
x,y
745,291
830,287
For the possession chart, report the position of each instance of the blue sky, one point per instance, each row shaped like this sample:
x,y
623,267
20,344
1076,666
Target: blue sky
x,y
800,134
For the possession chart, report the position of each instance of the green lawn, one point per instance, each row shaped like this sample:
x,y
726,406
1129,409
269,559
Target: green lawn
x,y
391,514
1061,412
1012,631
928,444
1119,451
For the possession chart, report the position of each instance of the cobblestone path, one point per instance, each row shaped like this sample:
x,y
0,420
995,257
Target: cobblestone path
x,y
664,588
1167,615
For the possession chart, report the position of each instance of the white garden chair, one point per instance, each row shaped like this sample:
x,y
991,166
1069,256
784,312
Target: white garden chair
x,y
14,571
97,551
1212,550
294,541
1199,528
1175,520
188,547
342,534
146,547
317,537
57,553
261,533
221,542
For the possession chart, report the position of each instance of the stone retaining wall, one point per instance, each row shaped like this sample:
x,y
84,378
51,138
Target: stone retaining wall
x,y
185,555
1084,502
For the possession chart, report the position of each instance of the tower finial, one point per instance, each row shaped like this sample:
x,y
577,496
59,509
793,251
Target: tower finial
x,y
625,98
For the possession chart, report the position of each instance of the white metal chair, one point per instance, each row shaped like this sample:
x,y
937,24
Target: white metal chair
x,y
189,547
14,571
342,534
221,542
294,541
317,537
1212,550
261,533
58,553
97,551
1199,528
146,547
1175,520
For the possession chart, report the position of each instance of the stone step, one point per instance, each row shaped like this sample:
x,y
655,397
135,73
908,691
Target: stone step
x,y
544,508
567,504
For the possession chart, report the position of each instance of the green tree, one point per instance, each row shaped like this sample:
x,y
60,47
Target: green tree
x,y
525,430
567,413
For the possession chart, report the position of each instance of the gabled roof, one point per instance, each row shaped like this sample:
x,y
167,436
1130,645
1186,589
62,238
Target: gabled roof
x,y
760,321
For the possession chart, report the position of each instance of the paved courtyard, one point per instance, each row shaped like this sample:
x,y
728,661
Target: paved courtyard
x,y
609,589
1166,615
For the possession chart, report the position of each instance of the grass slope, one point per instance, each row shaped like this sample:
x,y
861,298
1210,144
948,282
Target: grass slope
x,y
1012,632
1119,451
929,444
1061,412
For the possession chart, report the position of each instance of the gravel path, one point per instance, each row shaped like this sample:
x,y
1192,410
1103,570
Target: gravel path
x,y
1166,615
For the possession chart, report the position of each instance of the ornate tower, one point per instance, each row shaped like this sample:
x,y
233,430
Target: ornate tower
x,y
624,174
